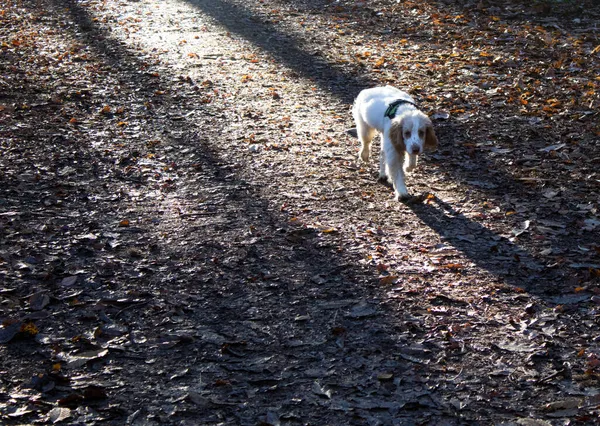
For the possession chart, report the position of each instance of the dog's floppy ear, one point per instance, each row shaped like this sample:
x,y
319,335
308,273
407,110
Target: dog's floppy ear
x,y
431,141
396,135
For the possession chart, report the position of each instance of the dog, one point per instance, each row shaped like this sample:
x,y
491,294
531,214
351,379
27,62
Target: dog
x,y
405,132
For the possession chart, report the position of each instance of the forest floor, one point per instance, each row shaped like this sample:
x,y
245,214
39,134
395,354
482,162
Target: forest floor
x,y
187,237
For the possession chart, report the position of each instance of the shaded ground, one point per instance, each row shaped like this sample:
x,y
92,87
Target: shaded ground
x,y
187,237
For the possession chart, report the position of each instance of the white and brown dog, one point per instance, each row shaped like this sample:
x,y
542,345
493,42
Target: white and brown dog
x,y
405,132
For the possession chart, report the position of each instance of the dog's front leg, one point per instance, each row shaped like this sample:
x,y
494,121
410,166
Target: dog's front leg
x,y
399,185
383,176
410,162
394,172
391,165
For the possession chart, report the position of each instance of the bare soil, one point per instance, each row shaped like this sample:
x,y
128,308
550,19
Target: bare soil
x,y
187,236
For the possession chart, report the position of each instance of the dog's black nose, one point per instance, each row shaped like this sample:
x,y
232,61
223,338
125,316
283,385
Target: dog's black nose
x,y
415,150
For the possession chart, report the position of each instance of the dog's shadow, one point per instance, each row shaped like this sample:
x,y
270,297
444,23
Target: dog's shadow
x,y
488,250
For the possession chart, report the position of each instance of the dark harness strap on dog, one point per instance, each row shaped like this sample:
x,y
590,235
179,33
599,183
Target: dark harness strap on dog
x,y
390,112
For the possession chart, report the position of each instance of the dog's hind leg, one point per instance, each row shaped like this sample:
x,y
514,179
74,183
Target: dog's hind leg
x,y
365,135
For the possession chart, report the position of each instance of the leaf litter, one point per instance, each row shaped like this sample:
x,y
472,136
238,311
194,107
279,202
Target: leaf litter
x,y
181,205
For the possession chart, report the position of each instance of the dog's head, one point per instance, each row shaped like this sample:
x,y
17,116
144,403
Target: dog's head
x,y
413,132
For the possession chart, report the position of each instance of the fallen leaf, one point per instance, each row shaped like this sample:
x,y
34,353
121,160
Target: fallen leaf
x,y
7,333
69,281
58,414
440,115
590,224
362,310
517,347
564,404
198,399
39,301
21,411
453,266
533,422
584,265
385,377
524,227
321,391
553,147
80,359
179,373
29,329
380,62
387,280
329,231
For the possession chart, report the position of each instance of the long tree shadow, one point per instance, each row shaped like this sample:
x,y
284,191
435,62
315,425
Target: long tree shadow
x,y
286,49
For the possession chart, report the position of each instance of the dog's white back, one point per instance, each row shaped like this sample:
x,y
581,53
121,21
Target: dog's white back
x,y
371,105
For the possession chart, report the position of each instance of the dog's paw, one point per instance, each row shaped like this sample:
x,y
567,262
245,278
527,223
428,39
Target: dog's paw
x,y
404,198
413,199
352,132
384,181
363,155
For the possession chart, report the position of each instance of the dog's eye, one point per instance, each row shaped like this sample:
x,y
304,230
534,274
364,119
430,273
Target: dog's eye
x,y
421,133
407,134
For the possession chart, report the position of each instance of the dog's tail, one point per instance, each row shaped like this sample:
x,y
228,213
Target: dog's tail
x,y
352,131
